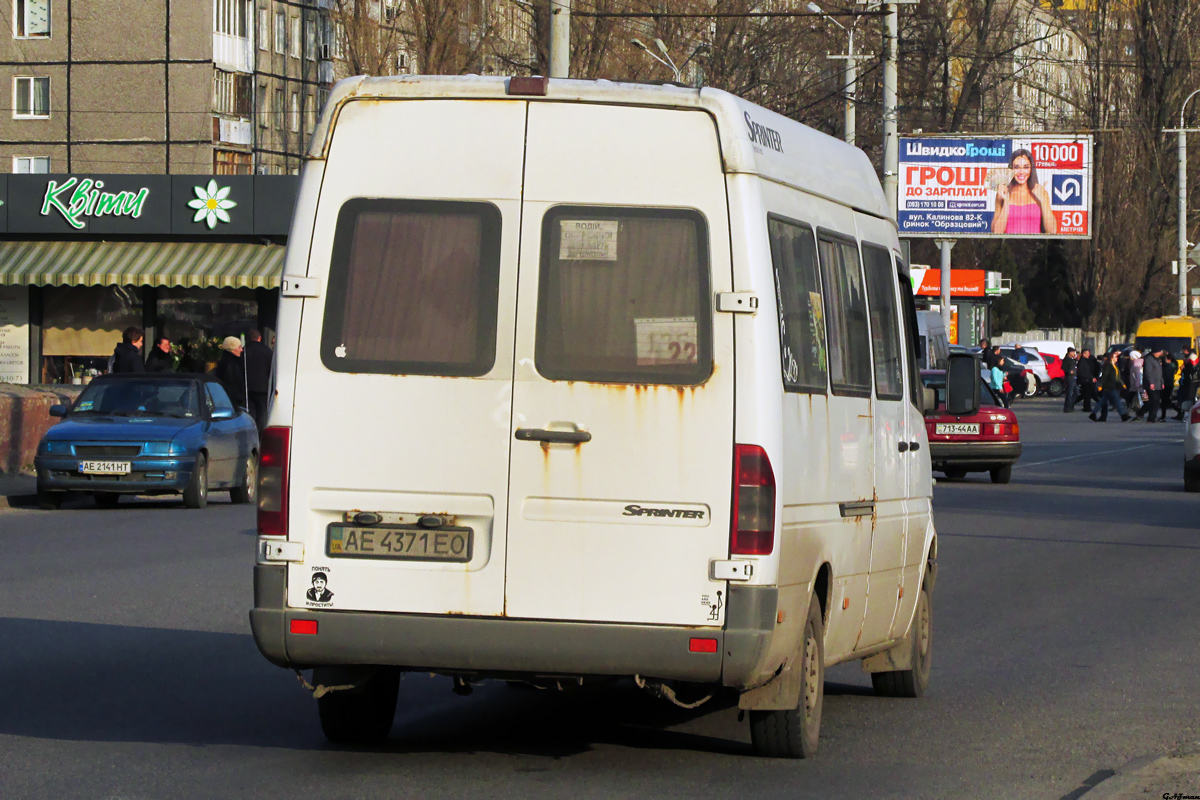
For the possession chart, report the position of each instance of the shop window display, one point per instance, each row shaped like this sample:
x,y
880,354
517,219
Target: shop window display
x,y
81,326
196,320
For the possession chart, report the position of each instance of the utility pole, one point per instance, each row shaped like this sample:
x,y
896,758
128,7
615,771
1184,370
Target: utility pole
x,y
891,133
851,80
560,38
945,245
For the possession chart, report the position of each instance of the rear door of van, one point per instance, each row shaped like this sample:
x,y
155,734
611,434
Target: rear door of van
x,y
403,393
622,434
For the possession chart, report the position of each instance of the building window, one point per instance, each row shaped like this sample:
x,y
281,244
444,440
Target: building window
x,y
310,39
264,26
310,114
23,165
31,19
229,17
31,98
295,38
294,113
278,108
229,162
231,93
280,32
264,106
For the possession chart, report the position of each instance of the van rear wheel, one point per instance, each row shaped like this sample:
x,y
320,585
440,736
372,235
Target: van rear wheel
x,y
362,715
794,733
912,682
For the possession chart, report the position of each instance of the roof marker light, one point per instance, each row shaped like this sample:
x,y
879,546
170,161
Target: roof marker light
x,y
534,86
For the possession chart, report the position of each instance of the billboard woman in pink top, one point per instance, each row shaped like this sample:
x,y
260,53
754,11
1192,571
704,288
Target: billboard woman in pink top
x,y
1023,206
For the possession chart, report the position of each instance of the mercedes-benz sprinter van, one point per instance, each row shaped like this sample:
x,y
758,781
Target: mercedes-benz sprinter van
x,y
585,379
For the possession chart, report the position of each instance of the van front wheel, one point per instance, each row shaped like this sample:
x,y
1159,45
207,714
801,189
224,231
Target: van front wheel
x,y
793,733
362,715
912,682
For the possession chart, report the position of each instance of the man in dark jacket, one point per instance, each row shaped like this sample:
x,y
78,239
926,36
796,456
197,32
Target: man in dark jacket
x,y
160,358
127,357
1170,368
1152,381
1187,383
1069,363
1087,372
258,381
231,370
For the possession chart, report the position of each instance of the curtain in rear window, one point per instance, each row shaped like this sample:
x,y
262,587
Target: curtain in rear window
x,y
624,296
413,288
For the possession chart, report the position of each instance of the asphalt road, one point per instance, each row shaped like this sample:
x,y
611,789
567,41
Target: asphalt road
x,y
1066,619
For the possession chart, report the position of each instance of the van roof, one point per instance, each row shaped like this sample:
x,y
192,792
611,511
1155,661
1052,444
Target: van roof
x,y
753,139
1170,326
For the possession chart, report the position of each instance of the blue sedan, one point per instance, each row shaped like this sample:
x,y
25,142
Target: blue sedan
x,y
149,434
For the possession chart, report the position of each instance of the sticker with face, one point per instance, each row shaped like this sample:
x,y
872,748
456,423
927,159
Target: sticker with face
x,y
319,593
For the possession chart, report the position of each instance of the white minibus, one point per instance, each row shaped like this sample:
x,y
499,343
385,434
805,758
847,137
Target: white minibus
x,y
581,379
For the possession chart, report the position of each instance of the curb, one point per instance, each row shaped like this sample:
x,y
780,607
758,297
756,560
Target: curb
x,y
1151,776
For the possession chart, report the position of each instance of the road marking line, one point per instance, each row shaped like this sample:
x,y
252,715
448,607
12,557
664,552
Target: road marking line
x,y
1101,453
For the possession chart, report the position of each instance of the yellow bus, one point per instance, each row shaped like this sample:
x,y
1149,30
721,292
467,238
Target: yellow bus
x,y
1172,334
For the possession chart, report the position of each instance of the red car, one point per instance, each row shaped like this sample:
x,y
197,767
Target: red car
x,y
987,441
1058,378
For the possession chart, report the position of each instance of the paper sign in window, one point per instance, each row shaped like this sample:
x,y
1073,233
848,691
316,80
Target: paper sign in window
x,y
666,340
587,240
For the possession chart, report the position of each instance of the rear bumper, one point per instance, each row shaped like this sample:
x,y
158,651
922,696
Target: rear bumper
x,y
967,454
501,646
148,474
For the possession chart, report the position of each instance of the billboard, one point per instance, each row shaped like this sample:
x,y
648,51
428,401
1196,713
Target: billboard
x,y
1036,186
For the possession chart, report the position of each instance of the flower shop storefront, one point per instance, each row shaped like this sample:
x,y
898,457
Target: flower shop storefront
x,y
83,257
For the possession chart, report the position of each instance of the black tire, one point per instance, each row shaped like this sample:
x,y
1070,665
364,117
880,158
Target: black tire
x,y
1056,388
196,493
1191,481
954,473
912,682
363,715
795,733
245,493
1001,474
52,501
106,499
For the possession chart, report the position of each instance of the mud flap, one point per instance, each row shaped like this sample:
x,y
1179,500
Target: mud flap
x,y
781,693
896,659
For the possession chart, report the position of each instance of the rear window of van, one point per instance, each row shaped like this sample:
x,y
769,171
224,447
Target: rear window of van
x,y
624,296
413,288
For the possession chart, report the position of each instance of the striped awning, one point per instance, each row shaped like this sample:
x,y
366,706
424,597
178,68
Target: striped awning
x,y
190,264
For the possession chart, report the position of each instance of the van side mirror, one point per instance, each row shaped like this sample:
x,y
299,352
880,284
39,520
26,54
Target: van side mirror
x,y
58,410
962,384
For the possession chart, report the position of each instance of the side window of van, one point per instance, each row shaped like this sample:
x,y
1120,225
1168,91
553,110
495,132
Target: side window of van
x,y
845,316
885,328
624,296
801,317
413,288
913,339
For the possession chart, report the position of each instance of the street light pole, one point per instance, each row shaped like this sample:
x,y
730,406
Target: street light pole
x,y
891,141
850,84
560,38
1182,233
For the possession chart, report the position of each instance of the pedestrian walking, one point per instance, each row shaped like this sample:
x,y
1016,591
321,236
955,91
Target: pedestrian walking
x,y
1069,368
1111,387
1170,370
160,358
997,376
1087,374
1187,382
231,370
127,356
1152,377
1133,380
258,377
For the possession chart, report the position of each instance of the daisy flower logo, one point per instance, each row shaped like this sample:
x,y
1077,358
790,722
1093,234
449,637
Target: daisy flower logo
x,y
212,204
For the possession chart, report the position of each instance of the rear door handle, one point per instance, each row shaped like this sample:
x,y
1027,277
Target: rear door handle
x,y
554,437
914,446
904,447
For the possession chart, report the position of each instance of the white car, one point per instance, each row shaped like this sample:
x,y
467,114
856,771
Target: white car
x,y
1191,450
1034,363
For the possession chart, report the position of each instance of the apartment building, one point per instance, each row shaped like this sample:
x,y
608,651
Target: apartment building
x,y
146,171
163,86
1048,67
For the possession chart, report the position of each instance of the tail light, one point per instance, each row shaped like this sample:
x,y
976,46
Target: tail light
x,y
273,481
752,529
1195,417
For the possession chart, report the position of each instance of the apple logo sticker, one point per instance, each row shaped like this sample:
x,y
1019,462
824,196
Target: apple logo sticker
x,y
340,351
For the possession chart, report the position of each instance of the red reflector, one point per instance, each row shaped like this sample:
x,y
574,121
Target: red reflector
x,y
304,626
533,86
695,645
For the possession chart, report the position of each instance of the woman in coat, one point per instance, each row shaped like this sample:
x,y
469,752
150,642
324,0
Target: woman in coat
x,y
1111,387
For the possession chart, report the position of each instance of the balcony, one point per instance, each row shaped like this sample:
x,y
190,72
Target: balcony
x,y
233,53
232,131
